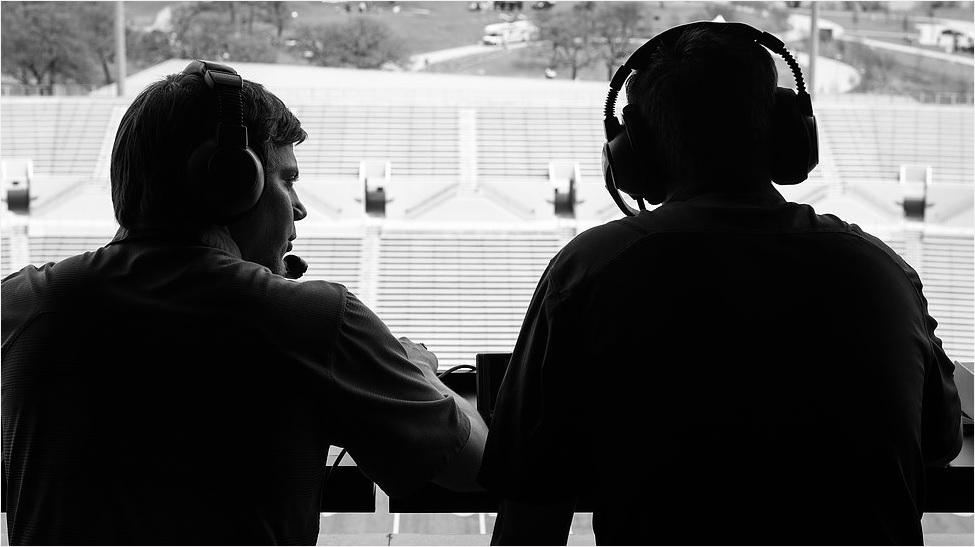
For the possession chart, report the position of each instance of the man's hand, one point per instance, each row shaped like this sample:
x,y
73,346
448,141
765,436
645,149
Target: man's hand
x,y
419,354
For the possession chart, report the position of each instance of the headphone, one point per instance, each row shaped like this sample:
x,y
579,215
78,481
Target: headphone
x,y
793,135
224,174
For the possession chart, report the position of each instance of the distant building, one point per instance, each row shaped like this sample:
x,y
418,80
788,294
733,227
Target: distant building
x,y
947,35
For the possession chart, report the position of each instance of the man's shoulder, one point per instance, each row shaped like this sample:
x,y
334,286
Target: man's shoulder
x,y
600,246
591,250
269,293
606,239
76,269
212,277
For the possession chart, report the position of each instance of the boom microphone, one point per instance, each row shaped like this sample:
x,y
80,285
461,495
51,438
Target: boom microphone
x,y
295,265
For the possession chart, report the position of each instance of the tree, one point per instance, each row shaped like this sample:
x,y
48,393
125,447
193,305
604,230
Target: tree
x,y
150,48
360,42
570,34
617,25
277,13
201,32
96,22
43,44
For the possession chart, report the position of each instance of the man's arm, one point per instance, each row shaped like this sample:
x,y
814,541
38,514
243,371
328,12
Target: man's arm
x,y
400,424
461,473
941,428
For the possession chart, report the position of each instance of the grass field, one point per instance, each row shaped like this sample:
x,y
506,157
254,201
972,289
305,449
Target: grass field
x,y
429,26
425,26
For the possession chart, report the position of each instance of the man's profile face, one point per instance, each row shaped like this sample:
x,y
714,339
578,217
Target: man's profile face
x,y
265,235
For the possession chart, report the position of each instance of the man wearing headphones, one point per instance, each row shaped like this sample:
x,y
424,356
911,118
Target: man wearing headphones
x,y
729,368
174,387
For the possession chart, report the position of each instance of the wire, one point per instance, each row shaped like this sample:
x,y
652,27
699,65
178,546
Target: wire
x,y
455,369
331,468
796,71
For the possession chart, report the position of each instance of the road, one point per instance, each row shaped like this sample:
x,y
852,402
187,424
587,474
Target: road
x,y
912,50
422,60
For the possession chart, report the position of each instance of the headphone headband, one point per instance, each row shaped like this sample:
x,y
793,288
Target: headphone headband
x,y
227,84
795,145
641,59
225,173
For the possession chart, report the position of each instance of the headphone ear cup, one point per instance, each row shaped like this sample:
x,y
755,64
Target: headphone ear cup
x,y
620,163
649,180
625,160
793,140
226,182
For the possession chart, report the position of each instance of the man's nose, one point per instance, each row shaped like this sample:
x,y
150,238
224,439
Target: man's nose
x,y
299,209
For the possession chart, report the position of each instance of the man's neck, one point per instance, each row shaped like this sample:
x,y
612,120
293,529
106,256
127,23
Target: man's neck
x,y
214,236
727,189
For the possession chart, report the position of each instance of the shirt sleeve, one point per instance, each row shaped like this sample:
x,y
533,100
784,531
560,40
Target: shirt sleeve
x,y
400,429
941,425
532,452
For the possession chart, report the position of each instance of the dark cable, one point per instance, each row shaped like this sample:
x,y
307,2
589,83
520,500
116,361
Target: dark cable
x,y
456,368
328,472
796,71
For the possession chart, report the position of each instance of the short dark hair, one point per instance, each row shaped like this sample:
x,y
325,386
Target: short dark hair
x,y
161,128
707,98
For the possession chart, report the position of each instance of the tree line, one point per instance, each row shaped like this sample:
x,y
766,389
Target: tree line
x,y
49,43
604,34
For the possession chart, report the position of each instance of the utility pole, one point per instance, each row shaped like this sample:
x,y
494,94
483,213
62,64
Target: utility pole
x,y
120,47
813,47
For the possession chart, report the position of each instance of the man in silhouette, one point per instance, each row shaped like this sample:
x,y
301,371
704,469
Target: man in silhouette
x,y
173,387
729,368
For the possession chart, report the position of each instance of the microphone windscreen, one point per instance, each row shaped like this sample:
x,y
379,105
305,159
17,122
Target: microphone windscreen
x,y
295,265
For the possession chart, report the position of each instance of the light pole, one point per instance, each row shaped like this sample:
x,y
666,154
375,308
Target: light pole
x,y
813,47
120,47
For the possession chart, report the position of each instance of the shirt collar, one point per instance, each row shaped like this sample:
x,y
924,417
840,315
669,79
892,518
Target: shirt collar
x,y
217,237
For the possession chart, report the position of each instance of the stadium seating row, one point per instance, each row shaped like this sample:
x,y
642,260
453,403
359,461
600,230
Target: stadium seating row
x,y
464,292
866,142
62,136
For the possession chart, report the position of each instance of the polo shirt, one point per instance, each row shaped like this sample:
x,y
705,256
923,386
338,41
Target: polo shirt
x,y
727,369
161,390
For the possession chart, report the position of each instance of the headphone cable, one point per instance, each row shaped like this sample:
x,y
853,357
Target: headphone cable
x,y
455,369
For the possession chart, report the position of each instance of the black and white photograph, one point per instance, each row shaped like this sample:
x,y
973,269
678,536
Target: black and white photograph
x,y
393,273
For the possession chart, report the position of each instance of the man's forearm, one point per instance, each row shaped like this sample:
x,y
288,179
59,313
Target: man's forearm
x,y
461,473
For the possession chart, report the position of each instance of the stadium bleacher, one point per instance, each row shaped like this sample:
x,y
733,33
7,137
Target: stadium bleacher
x,y
63,136
946,269
461,293
487,156
869,142
519,141
332,258
422,141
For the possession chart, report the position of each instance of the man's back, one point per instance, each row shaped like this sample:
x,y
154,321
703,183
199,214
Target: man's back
x,y
158,394
161,390
727,373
